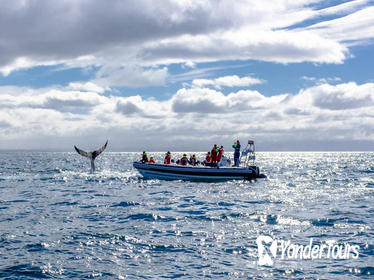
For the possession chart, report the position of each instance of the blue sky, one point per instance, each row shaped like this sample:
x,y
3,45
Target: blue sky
x,y
293,76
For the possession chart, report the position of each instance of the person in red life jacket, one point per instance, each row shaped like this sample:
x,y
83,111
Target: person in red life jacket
x,y
167,158
214,154
220,152
193,160
144,157
184,160
151,160
208,159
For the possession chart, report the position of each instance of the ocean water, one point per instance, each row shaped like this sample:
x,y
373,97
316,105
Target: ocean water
x,y
59,221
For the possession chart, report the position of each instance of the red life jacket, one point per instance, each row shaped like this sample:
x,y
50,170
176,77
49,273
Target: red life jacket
x,y
167,159
220,152
184,161
214,153
208,159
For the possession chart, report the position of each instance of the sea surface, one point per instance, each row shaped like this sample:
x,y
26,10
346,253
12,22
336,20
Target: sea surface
x,y
58,221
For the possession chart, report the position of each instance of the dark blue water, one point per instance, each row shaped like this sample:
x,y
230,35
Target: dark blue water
x,y
58,221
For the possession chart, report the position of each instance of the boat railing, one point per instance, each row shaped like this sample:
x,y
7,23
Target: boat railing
x,y
248,155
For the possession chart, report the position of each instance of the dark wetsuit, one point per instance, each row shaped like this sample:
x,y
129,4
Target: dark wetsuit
x,y
236,154
144,158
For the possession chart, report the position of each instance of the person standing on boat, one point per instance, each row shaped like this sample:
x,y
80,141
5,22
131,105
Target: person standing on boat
x,y
219,156
184,160
236,146
151,160
167,158
214,154
144,157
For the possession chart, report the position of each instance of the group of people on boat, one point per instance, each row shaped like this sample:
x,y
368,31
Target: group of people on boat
x,y
185,161
213,158
167,160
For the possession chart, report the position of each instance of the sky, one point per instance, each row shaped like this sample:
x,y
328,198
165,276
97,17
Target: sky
x,y
183,75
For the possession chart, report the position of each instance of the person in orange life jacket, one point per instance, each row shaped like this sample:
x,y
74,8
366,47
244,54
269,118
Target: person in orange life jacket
x,y
236,146
192,160
144,157
167,158
214,153
184,160
151,160
220,152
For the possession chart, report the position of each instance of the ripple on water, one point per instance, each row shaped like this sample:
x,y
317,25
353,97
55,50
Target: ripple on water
x,y
125,204
22,271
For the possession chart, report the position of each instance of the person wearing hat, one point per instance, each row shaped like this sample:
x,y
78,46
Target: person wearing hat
x,y
151,160
214,154
184,160
167,158
236,147
193,160
220,152
144,157
208,159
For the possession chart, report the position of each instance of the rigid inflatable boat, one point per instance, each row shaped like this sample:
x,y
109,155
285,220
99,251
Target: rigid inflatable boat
x,y
247,170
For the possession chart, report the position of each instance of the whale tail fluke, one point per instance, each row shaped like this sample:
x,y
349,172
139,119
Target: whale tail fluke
x,y
99,151
82,153
91,155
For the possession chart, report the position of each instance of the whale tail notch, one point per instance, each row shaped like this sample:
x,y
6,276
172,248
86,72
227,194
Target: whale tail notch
x,y
91,155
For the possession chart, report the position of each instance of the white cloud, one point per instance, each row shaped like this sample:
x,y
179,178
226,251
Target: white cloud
x,y
347,7
341,97
199,101
321,80
88,86
131,76
352,28
248,42
24,62
307,78
49,99
227,81
136,106
190,64
192,117
125,38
